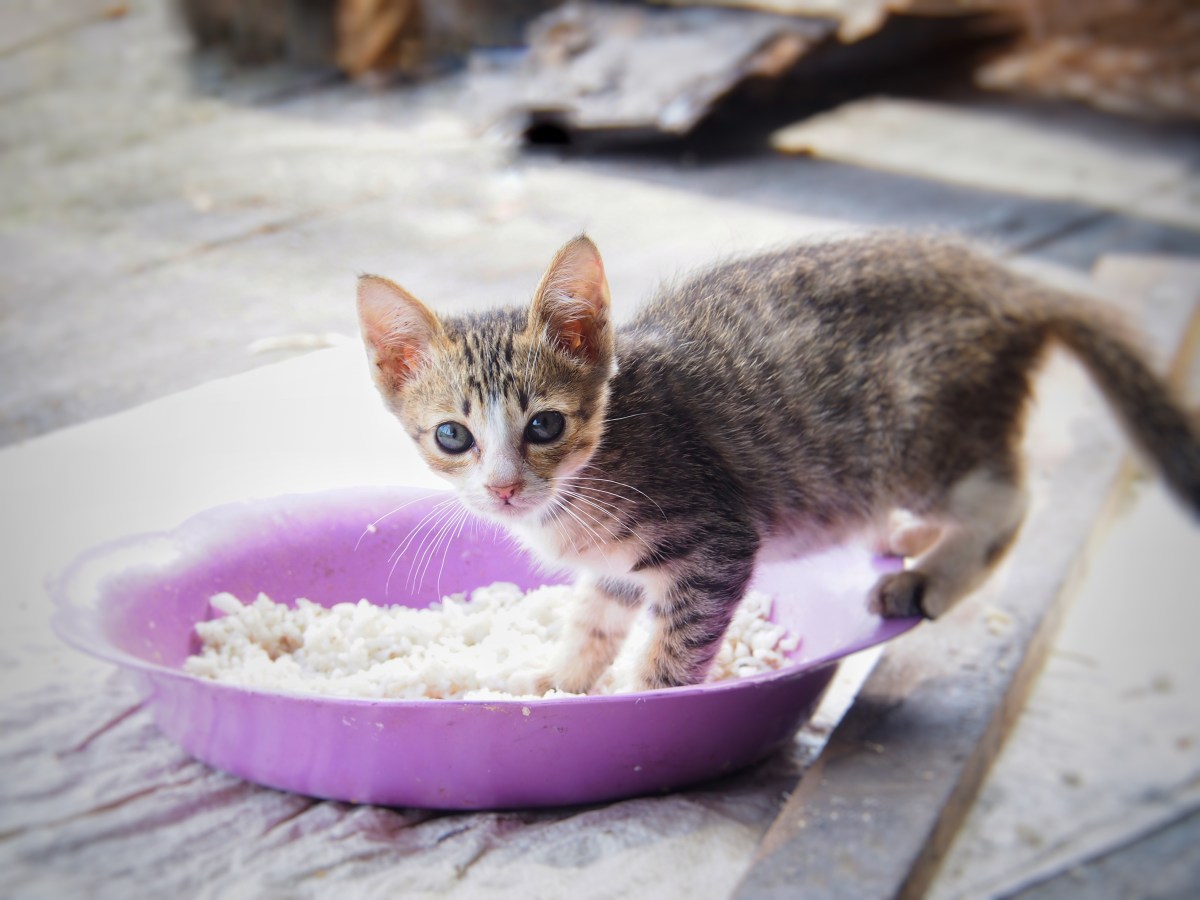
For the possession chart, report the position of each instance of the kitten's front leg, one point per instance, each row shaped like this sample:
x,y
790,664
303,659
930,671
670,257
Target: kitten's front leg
x,y
692,613
593,635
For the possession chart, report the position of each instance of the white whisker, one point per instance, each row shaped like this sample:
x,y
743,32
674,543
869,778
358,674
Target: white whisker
x,y
463,515
434,514
427,548
407,539
588,529
607,512
386,515
596,518
595,490
621,484
563,531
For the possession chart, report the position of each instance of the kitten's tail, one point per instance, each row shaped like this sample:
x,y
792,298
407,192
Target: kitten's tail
x,y
1147,407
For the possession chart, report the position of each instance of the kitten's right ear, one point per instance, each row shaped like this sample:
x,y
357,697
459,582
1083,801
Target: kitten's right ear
x,y
396,327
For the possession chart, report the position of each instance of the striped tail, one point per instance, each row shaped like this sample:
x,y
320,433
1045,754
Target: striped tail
x,y
1154,418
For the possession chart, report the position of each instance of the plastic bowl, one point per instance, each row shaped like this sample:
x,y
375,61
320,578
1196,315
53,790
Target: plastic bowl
x,y
135,603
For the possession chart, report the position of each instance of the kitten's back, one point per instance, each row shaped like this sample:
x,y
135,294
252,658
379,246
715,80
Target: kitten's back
x,y
845,371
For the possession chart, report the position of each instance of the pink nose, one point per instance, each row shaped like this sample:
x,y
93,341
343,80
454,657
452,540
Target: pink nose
x,y
504,492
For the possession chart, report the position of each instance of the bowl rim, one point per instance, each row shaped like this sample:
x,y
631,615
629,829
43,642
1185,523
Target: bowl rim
x,y
66,627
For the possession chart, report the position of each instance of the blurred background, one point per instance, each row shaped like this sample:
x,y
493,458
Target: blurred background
x,y
188,187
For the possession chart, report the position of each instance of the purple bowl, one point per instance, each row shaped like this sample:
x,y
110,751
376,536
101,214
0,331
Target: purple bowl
x,y
135,603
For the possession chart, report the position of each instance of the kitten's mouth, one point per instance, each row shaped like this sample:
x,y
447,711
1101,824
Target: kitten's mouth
x,y
512,508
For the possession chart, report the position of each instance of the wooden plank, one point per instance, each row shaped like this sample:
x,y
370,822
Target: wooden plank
x,y
1163,864
875,815
26,24
1104,750
943,142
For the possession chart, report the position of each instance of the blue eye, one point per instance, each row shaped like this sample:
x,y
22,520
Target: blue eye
x,y
545,427
453,438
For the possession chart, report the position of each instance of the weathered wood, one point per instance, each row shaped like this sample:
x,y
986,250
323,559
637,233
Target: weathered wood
x,y
1162,864
859,18
943,142
874,817
1104,750
28,24
359,36
600,73
1134,58
626,71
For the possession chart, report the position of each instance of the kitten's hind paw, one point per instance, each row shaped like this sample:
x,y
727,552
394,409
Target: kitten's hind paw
x,y
899,595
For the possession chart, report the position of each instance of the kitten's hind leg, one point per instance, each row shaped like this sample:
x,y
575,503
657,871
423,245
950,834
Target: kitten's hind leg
x,y
593,636
979,520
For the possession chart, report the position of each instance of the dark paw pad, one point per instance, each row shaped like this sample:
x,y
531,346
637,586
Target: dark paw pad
x,y
899,595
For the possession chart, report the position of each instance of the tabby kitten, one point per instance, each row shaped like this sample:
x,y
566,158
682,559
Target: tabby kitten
x,y
775,405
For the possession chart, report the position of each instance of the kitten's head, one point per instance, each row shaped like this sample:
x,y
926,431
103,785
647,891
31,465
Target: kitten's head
x,y
501,404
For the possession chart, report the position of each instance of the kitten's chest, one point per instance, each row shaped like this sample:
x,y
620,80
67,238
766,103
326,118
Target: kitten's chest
x,y
579,549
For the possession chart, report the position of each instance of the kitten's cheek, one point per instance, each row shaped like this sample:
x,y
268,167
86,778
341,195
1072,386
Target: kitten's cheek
x,y
575,461
455,476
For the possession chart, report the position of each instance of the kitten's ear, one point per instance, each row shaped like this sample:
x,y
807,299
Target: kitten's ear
x,y
572,302
396,327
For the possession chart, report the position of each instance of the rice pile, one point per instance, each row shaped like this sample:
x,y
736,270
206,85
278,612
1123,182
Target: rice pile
x,y
493,647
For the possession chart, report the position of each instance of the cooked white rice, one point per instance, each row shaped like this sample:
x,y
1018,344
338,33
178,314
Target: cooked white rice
x,y
490,648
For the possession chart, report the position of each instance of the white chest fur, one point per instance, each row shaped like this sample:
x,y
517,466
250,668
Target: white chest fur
x,y
563,547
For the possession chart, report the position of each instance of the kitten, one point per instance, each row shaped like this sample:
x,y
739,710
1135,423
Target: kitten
x,y
775,405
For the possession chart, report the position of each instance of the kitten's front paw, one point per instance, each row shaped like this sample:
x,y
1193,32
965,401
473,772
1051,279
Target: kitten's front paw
x,y
658,674
533,684
561,679
899,595
655,682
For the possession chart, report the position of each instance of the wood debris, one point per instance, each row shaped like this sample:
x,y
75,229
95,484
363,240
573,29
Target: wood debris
x,y
378,35
626,69
358,36
858,19
1140,58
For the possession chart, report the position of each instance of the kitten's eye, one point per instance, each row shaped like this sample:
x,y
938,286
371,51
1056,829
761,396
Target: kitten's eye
x,y
545,427
453,438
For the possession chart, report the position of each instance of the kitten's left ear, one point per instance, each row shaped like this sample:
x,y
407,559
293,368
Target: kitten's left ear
x,y
572,302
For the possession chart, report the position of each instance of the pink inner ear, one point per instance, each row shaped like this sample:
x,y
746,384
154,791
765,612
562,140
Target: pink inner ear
x,y
396,326
572,300
571,335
